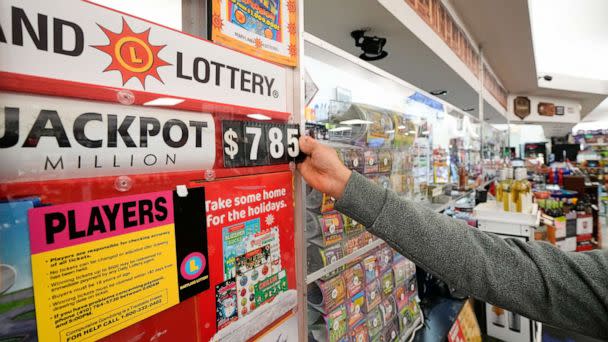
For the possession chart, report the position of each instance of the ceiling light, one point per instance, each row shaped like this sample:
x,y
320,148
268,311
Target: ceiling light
x,y
412,132
470,109
356,122
401,127
259,117
390,131
438,92
164,101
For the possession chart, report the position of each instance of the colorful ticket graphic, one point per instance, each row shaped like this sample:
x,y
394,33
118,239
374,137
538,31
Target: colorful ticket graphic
x,y
103,265
270,287
225,303
263,28
356,309
250,260
337,324
332,228
233,239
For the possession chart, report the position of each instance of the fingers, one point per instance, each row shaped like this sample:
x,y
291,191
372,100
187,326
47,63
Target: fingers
x,y
307,144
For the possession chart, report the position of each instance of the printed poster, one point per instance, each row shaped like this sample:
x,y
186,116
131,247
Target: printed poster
x,y
263,28
103,265
251,240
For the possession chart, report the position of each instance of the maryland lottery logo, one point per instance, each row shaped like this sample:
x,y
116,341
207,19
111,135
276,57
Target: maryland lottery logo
x,y
132,54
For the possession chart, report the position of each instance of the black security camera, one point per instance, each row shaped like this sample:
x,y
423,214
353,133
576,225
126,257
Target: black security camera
x,y
372,46
547,78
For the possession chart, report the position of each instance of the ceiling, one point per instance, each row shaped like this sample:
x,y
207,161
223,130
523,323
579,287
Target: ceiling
x,y
579,35
502,28
409,58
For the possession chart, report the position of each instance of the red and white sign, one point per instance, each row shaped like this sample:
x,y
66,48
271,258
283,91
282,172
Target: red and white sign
x,y
81,44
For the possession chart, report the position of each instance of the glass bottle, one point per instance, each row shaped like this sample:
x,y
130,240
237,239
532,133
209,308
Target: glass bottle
x,y
506,190
521,191
502,175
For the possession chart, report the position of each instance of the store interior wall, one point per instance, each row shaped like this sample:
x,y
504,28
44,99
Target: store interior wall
x,y
519,135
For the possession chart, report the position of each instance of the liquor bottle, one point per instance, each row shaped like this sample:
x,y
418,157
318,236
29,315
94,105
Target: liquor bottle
x,y
462,178
502,175
521,192
506,190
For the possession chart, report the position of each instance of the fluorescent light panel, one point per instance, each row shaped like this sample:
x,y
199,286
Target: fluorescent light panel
x,y
164,101
570,37
341,129
261,117
355,122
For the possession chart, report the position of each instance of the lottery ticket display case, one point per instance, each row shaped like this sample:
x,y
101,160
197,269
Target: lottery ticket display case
x,y
147,183
403,139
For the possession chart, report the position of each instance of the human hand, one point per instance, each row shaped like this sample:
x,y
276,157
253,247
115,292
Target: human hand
x,y
322,169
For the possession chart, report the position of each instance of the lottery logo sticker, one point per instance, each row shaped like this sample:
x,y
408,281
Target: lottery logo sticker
x,y
193,265
132,54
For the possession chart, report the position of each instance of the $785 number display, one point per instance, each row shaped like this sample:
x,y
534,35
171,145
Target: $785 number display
x,y
247,143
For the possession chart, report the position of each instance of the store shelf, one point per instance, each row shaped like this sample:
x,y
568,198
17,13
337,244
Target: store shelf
x,y
438,208
314,276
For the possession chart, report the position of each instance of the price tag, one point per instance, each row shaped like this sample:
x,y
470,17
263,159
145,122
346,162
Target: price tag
x,y
247,143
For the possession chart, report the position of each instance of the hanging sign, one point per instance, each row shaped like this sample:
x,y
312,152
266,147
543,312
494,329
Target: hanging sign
x,y
103,265
52,138
77,41
263,28
521,106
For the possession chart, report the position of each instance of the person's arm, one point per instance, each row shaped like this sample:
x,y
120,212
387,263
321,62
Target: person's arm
x,y
537,280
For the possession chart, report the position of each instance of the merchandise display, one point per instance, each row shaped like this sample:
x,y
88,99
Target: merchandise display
x,y
371,298
418,156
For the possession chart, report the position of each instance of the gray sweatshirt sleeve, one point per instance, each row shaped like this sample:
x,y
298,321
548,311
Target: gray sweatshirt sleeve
x,y
535,279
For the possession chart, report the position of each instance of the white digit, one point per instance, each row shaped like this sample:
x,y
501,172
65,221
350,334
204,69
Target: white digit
x,y
257,134
293,147
276,142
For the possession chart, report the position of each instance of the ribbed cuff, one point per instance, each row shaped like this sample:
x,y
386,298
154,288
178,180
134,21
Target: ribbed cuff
x,y
362,200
